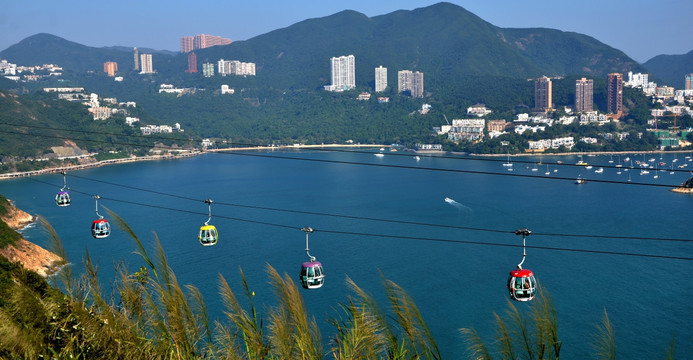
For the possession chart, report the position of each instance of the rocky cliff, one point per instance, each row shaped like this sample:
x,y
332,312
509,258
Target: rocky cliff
x,y
31,256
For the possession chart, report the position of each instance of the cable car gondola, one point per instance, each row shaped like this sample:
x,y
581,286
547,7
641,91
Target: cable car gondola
x,y
100,228
62,198
522,285
208,233
312,275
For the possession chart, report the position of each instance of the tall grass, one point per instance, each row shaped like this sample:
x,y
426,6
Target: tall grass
x,y
149,315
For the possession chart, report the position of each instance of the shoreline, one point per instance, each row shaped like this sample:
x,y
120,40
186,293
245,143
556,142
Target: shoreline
x,y
591,153
191,153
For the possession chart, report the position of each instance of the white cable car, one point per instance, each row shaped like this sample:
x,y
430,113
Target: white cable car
x,y
100,228
522,285
62,198
208,233
312,275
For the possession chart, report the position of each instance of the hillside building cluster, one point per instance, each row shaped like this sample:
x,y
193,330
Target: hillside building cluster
x,y
343,77
582,113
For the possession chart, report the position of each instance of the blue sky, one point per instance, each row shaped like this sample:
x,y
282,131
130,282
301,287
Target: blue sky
x,y
640,28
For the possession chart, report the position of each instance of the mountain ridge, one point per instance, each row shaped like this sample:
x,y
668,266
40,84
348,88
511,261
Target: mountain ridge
x,y
445,41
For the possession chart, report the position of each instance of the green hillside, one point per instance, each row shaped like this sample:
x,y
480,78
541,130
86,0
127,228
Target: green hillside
x,y
671,69
444,41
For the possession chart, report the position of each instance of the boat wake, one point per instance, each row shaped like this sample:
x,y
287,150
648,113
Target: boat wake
x,y
458,205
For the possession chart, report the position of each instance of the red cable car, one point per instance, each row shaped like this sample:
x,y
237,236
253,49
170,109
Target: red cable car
x,y
100,228
312,275
522,286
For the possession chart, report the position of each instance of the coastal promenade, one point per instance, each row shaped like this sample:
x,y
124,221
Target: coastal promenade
x,y
176,156
97,164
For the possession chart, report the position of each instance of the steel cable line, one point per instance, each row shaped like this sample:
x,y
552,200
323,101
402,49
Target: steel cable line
x,y
379,219
337,232
192,139
358,217
237,153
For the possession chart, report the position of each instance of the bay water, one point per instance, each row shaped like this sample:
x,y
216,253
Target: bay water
x,y
456,284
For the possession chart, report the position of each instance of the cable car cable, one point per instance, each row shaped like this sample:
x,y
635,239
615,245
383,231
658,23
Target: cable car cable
x,y
388,220
381,165
392,236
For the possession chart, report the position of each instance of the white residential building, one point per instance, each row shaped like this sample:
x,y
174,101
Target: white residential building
x,y
146,64
343,73
567,120
637,80
543,144
467,129
478,110
412,81
131,120
380,78
593,117
520,129
235,67
522,118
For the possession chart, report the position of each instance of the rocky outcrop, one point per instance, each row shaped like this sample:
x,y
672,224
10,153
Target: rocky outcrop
x,y
16,218
30,255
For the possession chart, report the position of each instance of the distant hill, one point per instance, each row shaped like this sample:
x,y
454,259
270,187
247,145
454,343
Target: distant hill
x,y
73,57
444,41
671,69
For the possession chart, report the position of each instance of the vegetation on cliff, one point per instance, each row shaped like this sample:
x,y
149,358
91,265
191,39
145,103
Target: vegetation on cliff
x,y
8,236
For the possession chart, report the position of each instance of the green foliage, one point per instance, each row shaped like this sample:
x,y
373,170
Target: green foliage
x,y
7,235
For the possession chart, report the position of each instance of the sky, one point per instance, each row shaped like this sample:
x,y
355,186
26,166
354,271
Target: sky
x,y
640,28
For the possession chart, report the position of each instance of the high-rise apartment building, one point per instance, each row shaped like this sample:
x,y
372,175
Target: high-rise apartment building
x,y
584,91
208,69
192,63
146,64
412,81
136,55
235,67
542,95
110,68
186,44
689,82
614,94
380,78
343,73
201,41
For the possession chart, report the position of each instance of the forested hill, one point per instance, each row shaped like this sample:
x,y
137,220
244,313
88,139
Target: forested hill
x,y
444,41
671,69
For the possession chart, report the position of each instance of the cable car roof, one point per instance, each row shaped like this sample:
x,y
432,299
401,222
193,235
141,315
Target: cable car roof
x,y
311,263
521,273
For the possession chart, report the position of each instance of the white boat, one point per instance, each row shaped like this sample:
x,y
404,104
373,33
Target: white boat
x,y
588,167
379,154
579,180
448,200
535,168
611,160
599,171
417,158
644,172
508,163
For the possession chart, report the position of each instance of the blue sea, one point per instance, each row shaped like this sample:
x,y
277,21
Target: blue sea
x,y
455,283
